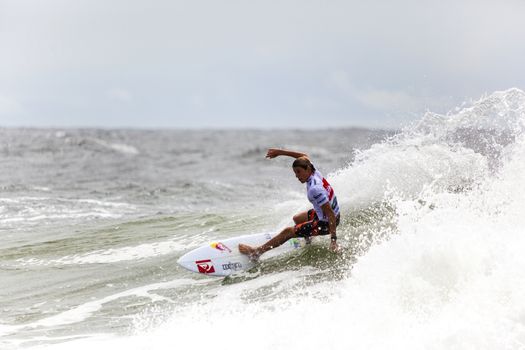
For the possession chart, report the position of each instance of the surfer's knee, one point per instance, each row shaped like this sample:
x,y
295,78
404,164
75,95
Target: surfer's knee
x,y
300,217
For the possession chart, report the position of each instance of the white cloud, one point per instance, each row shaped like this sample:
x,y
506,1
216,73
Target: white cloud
x,y
172,56
9,106
376,99
390,101
119,94
341,80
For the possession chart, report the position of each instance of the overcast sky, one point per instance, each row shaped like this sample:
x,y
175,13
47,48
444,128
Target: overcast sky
x,y
245,64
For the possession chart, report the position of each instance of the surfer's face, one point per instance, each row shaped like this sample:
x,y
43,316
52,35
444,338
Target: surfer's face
x,y
302,174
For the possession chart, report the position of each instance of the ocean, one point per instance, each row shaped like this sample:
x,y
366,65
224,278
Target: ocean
x,y
92,222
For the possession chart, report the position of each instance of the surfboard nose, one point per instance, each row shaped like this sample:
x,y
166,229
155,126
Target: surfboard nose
x,y
187,263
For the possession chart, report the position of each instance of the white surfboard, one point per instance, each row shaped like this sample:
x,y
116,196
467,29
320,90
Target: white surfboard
x,y
222,258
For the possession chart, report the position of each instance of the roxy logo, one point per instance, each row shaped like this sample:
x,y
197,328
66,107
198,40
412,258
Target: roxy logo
x,y
221,247
205,266
232,266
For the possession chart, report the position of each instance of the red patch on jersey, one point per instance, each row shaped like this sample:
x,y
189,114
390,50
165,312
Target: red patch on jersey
x,y
328,189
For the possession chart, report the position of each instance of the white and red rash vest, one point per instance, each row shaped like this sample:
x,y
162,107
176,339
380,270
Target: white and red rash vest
x,y
320,192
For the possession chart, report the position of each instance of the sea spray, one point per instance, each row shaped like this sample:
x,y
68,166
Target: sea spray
x,y
450,276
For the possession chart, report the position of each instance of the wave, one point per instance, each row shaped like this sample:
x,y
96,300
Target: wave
x,y
446,152
112,255
31,211
441,205
117,147
451,274
85,310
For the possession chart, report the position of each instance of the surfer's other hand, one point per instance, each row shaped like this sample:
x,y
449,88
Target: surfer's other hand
x,y
272,153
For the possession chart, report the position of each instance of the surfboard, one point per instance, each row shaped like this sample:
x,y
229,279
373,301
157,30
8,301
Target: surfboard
x,y
222,258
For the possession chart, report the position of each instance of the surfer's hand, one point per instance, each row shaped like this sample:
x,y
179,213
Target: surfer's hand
x,y
334,247
272,153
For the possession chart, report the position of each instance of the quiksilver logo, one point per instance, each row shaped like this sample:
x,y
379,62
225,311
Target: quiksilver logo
x,y
205,266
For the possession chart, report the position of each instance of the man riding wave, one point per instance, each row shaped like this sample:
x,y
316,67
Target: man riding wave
x,y
323,219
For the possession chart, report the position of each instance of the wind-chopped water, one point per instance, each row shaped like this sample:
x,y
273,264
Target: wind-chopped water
x,y
93,221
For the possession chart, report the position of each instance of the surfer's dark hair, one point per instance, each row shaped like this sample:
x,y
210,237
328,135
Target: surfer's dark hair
x,y
303,162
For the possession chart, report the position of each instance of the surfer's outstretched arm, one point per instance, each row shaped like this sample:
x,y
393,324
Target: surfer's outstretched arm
x,y
275,152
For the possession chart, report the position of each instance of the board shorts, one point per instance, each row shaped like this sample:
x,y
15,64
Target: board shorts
x,y
313,226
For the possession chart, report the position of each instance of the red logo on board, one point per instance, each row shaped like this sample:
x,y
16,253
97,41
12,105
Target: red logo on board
x,y
205,266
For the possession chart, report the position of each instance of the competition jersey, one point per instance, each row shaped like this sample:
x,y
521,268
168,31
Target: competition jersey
x,y
320,192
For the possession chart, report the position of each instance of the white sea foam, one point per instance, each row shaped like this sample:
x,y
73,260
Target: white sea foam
x,y
141,251
426,154
82,312
407,169
112,255
118,147
35,210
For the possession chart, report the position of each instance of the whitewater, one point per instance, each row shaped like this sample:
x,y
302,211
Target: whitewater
x,y
92,222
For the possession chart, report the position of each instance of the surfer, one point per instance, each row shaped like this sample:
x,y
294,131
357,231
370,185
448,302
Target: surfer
x,y
321,220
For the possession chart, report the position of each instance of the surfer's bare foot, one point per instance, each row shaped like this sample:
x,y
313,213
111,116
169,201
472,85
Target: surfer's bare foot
x,y
252,253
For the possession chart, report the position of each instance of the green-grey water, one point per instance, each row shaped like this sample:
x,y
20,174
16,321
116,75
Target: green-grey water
x,y
92,223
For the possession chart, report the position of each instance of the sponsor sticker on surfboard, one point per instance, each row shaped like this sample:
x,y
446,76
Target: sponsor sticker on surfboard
x,y
205,266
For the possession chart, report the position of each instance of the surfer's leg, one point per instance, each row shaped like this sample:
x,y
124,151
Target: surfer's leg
x,y
276,241
301,217
282,237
